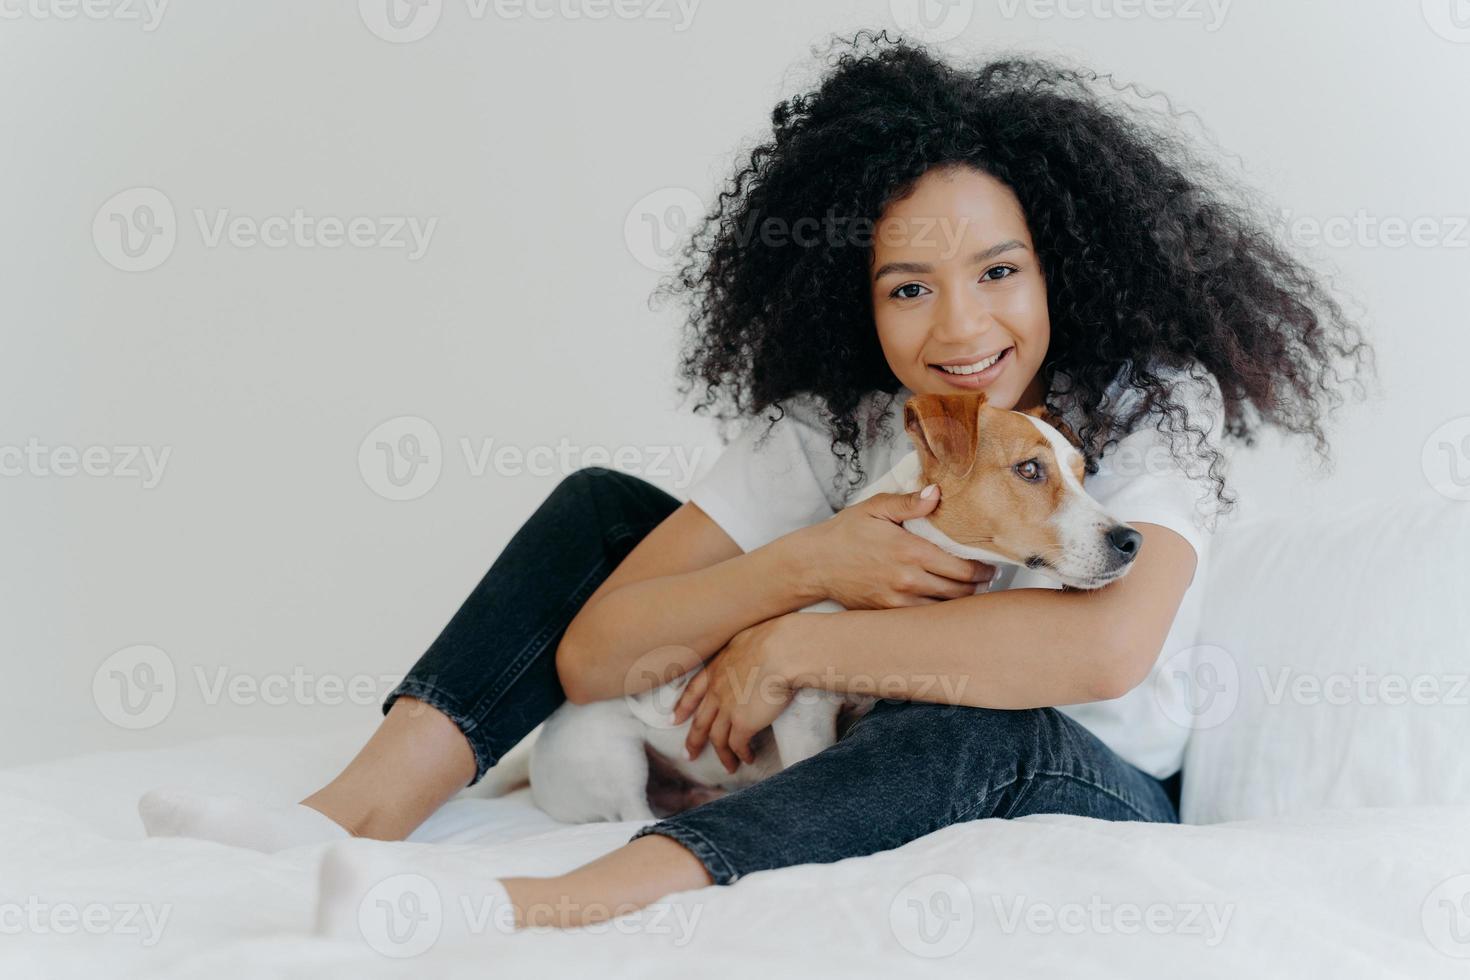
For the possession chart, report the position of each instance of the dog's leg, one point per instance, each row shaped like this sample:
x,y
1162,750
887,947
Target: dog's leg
x,y
807,726
589,764
632,803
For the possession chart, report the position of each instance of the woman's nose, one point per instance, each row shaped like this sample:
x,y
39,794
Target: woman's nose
x,y
961,318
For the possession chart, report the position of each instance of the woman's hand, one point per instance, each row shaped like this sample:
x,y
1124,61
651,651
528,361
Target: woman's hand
x,y
740,691
864,558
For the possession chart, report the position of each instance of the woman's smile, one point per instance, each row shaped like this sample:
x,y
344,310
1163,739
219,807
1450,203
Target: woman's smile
x,y
947,319
966,376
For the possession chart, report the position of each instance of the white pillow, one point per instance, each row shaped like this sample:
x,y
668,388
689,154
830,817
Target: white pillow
x,y
1333,664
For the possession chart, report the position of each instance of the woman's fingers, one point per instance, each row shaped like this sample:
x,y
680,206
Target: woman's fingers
x,y
692,696
699,730
938,587
711,726
740,744
900,507
942,563
719,738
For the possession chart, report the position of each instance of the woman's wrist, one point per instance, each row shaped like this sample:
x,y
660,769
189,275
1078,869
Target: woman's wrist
x,y
800,654
792,558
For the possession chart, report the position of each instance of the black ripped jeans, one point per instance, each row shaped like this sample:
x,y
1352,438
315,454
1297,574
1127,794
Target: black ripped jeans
x,y
903,770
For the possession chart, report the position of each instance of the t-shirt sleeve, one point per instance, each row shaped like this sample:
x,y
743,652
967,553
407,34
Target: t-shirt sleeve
x,y
767,484
1139,480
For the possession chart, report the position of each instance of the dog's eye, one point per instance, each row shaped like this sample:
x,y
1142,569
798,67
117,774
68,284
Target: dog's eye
x,y
1030,470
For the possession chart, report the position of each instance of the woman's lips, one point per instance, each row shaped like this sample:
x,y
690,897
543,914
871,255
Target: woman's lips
x,y
980,379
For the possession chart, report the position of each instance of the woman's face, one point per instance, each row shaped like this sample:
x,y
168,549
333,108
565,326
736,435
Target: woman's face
x,y
956,280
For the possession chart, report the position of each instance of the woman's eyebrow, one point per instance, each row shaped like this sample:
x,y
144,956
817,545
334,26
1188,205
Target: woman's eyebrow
x,y
915,268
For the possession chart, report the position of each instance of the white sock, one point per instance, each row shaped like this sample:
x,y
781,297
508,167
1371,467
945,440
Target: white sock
x,y
401,905
235,820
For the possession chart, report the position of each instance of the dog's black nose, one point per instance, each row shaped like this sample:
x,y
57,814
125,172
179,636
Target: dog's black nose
x,y
1125,541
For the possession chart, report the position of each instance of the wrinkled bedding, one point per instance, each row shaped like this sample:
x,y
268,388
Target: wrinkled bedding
x,y
1341,893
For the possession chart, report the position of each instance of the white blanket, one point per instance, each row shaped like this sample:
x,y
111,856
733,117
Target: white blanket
x,y
1349,893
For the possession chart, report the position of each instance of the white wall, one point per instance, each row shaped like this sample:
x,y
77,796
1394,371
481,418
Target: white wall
x,y
263,550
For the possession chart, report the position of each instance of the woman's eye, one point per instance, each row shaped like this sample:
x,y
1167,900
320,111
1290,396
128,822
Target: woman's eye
x,y
1007,269
902,292
1030,470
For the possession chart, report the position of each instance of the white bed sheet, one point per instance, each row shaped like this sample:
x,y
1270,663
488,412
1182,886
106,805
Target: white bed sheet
x,y
1344,893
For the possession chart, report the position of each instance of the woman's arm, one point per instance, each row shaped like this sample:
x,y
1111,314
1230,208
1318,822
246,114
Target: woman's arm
x,y
687,589
1022,648
678,597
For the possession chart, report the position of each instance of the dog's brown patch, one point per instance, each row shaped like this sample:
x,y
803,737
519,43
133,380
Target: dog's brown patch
x,y
971,450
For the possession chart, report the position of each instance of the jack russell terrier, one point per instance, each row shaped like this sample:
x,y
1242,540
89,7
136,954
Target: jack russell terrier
x,y
1011,495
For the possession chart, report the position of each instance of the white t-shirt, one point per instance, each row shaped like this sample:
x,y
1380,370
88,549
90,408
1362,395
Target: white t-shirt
x,y
765,485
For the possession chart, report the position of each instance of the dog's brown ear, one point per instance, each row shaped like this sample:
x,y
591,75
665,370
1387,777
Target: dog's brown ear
x,y
1055,421
945,430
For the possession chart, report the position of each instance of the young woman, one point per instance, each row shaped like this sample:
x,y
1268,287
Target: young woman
x,y
906,221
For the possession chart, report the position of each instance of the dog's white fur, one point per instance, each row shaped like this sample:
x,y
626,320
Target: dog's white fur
x,y
591,761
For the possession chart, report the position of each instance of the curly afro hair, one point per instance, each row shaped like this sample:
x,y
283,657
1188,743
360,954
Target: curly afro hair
x,y
1152,261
